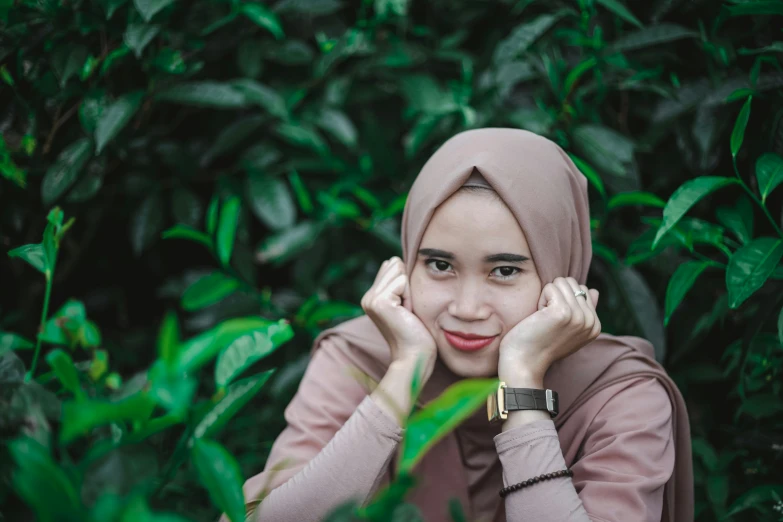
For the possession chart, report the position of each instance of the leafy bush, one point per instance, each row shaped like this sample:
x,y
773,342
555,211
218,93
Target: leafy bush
x,y
228,161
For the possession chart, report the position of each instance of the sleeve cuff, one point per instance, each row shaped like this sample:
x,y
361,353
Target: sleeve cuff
x,y
379,419
525,434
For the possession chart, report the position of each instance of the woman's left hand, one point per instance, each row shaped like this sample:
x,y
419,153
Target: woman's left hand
x,y
562,325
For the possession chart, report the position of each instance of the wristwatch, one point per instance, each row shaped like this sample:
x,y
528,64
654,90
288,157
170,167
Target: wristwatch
x,y
507,399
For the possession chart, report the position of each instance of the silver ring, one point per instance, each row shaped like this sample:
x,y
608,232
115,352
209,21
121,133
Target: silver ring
x,y
581,293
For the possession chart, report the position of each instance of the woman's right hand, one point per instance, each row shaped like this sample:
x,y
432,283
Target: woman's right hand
x,y
384,303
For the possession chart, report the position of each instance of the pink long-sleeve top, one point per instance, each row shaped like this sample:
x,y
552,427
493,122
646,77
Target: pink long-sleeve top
x,y
340,446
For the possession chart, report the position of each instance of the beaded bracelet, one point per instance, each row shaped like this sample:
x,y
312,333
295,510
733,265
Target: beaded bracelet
x,y
546,476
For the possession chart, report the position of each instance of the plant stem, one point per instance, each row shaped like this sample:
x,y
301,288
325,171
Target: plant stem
x,y
758,202
44,315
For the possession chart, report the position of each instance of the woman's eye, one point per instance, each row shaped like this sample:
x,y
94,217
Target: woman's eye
x,y
506,272
440,266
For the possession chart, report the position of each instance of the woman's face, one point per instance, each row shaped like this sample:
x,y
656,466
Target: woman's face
x,y
474,274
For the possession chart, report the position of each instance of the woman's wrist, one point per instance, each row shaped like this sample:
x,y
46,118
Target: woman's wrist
x,y
394,393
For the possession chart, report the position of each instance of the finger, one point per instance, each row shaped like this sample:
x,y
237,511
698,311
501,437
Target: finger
x,y
394,290
593,293
550,295
406,295
381,271
583,304
564,285
393,270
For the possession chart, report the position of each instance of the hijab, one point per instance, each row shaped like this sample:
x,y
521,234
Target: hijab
x,y
548,196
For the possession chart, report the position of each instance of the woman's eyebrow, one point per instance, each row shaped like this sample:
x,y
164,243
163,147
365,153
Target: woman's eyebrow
x,y
494,258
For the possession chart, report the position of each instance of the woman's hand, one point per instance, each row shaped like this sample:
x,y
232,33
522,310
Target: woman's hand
x,y
384,303
562,325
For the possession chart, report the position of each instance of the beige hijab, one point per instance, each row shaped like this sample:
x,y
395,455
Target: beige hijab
x,y
548,195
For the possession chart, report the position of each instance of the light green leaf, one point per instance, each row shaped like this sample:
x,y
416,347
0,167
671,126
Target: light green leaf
x,y
750,266
246,350
64,369
523,36
759,495
238,394
626,199
137,36
283,246
738,134
227,229
428,426
769,173
208,290
271,201
263,17
758,7
10,341
258,93
774,47
620,10
185,232
201,349
690,193
171,389
339,126
651,35
33,254
208,94
80,417
43,484
65,170
168,339
114,118
149,8
219,472
605,148
331,311
64,326
738,219
682,280
589,172
303,137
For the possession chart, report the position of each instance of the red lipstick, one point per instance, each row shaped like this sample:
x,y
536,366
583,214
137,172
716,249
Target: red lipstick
x,y
467,342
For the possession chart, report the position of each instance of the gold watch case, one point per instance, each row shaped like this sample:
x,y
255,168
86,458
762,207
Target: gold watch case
x,y
496,404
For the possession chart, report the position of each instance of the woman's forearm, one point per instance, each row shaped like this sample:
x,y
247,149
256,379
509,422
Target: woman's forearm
x,y
394,393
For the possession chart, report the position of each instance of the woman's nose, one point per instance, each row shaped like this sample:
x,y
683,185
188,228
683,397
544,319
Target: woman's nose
x,y
468,303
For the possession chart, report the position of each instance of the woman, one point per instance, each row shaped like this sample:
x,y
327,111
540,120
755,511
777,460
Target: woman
x,y
496,248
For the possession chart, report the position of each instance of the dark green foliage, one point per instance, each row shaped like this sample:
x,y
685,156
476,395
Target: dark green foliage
x,y
223,161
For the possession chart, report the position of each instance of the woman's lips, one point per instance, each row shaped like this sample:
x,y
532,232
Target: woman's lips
x,y
465,344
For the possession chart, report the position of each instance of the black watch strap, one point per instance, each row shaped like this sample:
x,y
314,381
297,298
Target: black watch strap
x,y
531,399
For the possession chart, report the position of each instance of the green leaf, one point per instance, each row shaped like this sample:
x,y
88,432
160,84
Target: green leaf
x,y
10,341
302,196
290,242
250,57
185,232
339,126
759,495
114,118
750,266
146,223
429,425
738,134
626,199
759,7
168,339
227,229
762,406
65,170
651,35
303,137
263,17
201,349
769,173
232,137
246,350
577,72
33,254
682,280
219,472
774,47
64,369
592,176
238,394
523,36
171,389
208,94
212,215
331,311
138,36
605,148
780,328
43,484
262,95
64,326
80,417
620,10
690,193
738,219
149,8
208,290
271,201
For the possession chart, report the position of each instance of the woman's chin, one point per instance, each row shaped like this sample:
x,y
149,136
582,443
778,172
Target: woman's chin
x,y
470,365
